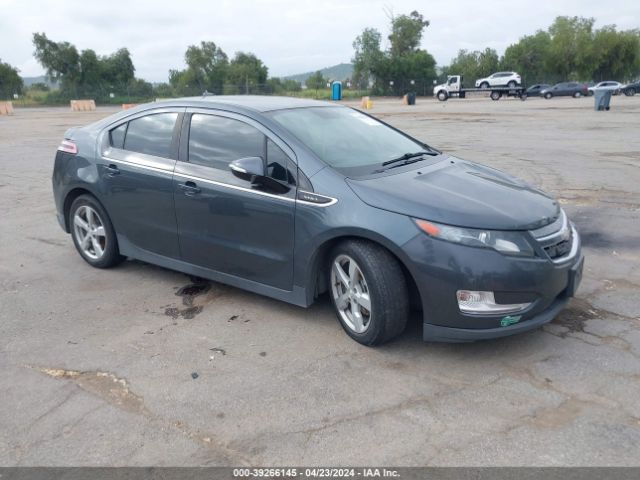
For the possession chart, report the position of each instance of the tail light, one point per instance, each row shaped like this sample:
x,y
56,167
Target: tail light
x,y
68,146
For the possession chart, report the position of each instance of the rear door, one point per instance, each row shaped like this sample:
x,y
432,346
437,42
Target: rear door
x,y
225,223
138,157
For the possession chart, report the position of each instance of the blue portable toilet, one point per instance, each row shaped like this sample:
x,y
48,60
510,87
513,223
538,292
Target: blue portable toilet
x,y
336,91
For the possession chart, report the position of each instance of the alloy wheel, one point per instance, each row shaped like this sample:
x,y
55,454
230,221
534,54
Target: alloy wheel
x,y
89,232
351,293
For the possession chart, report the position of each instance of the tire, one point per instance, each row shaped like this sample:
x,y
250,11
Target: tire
x,y
630,92
379,294
577,95
512,84
484,85
523,96
93,234
495,95
442,96
548,95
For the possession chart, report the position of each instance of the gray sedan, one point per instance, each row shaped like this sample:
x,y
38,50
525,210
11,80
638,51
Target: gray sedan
x,y
293,198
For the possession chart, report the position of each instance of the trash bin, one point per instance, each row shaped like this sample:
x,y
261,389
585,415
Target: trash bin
x,y
602,99
411,98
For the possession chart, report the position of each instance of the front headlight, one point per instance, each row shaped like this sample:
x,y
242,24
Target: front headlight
x,y
509,243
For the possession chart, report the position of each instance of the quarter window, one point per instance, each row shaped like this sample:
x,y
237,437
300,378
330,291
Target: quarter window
x,y
116,136
151,135
216,141
279,165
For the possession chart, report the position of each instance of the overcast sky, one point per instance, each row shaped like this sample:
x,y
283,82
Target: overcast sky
x,y
290,36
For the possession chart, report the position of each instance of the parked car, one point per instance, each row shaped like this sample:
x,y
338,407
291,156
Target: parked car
x,y
534,90
608,85
498,79
290,198
564,89
631,89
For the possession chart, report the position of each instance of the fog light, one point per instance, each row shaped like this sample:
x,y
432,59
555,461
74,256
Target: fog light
x,y
470,301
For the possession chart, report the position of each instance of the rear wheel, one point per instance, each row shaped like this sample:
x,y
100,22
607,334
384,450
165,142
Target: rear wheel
x,y
92,232
577,95
368,291
512,84
495,95
548,95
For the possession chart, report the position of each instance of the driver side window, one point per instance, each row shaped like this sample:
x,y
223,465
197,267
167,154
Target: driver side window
x,y
216,141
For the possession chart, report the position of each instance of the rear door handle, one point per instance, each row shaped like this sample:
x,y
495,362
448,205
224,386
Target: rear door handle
x,y
189,188
113,170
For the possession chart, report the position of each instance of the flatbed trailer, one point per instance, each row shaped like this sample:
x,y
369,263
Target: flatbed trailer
x,y
453,88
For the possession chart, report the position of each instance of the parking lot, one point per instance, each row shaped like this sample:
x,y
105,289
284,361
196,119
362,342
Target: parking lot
x,y
139,365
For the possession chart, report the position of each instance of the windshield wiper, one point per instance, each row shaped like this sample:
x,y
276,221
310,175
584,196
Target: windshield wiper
x,y
409,156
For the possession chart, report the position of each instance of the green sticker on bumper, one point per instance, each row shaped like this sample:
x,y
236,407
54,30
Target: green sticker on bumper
x,y
510,320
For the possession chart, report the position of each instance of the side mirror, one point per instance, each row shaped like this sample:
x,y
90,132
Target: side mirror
x,y
250,169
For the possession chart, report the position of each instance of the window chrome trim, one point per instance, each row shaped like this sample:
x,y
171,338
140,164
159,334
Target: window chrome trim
x,y
168,169
332,201
234,187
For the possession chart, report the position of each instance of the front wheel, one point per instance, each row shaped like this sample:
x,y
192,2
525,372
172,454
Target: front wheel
x,y
577,95
630,92
484,85
442,95
92,232
548,95
368,291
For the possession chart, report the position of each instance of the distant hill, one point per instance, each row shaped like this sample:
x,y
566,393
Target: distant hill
x,y
28,81
336,72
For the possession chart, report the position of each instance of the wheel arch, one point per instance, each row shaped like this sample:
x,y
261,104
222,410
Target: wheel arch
x,y
69,198
316,278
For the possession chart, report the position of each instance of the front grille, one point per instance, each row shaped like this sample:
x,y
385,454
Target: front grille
x,y
559,249
556,238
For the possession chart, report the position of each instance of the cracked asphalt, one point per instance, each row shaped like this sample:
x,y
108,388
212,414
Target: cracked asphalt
x,y
144,366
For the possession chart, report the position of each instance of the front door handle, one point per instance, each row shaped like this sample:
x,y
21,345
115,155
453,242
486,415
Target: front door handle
x,y
113,170
189,188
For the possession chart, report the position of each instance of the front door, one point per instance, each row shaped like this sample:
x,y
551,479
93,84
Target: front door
x,y
224,223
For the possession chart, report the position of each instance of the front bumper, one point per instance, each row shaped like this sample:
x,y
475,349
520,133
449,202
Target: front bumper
x,y
437,333
442,268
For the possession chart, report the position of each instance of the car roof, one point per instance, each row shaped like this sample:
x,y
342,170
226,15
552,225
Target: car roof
x,y
258,103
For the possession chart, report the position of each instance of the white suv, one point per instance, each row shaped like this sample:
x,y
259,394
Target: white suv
x,y
499,79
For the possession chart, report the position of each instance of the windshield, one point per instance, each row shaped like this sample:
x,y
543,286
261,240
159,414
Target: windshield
x,y
346,139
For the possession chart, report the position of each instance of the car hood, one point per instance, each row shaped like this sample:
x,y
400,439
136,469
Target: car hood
x,y
460,193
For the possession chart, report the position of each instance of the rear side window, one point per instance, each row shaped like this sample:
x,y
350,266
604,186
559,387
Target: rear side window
x,y
151,135
116,136
216,141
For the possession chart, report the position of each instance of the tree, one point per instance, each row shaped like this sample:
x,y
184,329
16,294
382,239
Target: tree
x,y
208,64
570,47
10,81
406,33
247,72
402,63
474,65
60,59
117,68
316,81
530,57
86,73
615,54
367,57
